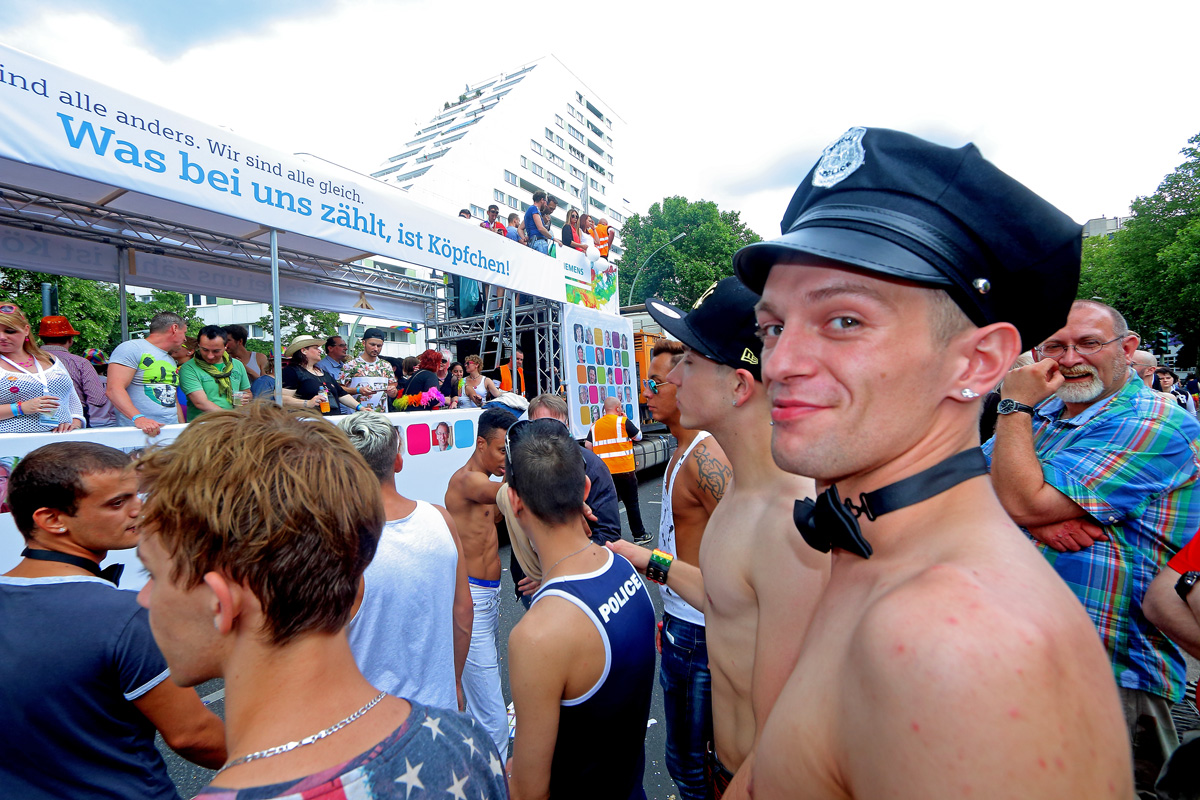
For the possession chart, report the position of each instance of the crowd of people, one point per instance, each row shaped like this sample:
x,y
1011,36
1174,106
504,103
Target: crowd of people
x,y
579,231
168,377
859,600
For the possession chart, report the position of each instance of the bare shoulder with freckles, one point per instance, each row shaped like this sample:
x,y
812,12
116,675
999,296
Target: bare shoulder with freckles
x,y
956,682
972,683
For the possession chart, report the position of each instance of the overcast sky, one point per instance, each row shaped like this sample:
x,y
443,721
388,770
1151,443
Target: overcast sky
x,y
1087,103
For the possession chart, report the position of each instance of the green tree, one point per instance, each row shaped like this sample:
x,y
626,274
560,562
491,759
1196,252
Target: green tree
x,y
297,321
1150,269
93,307
682,270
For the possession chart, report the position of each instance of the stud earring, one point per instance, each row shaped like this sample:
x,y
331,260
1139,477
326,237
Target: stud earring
x,y
969,393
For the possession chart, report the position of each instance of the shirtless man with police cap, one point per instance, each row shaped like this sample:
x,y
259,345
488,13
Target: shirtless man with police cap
x,y
945,658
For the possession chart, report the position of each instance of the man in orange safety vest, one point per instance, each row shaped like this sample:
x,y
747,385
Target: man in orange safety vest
x,y
612,438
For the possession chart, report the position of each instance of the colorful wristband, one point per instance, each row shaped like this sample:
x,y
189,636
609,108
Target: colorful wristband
x,y
16,410
659,566
136,417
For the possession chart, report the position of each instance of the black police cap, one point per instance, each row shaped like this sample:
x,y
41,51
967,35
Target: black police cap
x,y
891,204
721,325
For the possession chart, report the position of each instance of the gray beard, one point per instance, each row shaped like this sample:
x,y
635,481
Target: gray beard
x,y
1081,392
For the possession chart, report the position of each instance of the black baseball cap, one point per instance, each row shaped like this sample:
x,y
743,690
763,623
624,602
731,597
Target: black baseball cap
x,y
721,326
891,204
377,333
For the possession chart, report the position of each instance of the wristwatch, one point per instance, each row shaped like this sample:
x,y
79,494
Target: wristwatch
x,y
1012,406
1185,583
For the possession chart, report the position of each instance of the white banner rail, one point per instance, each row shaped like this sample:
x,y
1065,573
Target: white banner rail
x,y
436,443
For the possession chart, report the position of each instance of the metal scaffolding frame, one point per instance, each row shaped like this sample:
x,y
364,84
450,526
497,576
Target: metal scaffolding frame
x,y
536,316
39,211
531,316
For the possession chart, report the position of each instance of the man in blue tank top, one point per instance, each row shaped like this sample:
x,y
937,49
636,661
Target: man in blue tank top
x,y
581,662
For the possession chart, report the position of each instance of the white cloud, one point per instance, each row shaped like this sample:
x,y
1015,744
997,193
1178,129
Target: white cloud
x,y
1087,103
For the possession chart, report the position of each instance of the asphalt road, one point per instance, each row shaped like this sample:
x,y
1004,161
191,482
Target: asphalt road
x,y
190,779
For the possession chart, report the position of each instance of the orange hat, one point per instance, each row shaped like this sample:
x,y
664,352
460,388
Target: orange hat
x,y
55,327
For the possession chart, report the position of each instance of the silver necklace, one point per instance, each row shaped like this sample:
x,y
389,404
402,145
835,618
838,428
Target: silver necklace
x,y
316,737
564,558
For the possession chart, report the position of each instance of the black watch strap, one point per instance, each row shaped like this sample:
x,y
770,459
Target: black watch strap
x,y
1187,581
1012,406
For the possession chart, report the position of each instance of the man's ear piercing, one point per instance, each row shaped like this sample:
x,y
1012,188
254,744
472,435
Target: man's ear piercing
x,y
969,393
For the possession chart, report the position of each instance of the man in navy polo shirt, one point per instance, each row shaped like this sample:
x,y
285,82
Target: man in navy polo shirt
x,y
82,683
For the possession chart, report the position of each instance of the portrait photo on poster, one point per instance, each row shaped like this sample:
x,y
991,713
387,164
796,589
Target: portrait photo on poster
x,y
443,437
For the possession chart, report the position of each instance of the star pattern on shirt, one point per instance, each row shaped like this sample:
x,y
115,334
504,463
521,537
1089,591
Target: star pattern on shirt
x,y
411,778
469,741
456,788
432,723
495,765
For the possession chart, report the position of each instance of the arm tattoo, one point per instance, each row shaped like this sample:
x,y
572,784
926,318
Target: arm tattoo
x,y
714,474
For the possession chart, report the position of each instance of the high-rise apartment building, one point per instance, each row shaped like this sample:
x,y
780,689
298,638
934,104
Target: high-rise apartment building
x,y
505,137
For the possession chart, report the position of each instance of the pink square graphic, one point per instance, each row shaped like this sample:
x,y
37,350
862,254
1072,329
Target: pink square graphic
x,y
418,438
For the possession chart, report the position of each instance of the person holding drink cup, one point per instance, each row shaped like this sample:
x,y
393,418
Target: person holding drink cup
x,y
39,394
305,385
213,380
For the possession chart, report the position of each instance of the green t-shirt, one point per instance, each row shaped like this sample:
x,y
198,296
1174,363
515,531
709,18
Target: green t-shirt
x,y
194,379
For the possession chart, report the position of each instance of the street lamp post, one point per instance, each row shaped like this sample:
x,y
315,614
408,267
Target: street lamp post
x,y
638,274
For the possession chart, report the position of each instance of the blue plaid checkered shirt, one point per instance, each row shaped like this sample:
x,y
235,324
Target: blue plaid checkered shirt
x,y
1132,463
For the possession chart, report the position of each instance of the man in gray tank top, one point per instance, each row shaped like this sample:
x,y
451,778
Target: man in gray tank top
x,y
412,623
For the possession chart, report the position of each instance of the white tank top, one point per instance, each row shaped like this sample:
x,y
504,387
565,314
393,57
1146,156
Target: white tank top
x,y
403,634
673,604
251,365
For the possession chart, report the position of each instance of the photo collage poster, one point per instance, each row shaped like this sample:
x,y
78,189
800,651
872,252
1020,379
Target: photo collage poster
x,y
599,363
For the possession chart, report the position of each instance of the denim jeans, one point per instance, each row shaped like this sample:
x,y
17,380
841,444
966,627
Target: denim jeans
x,y
541,245
481,674
687,703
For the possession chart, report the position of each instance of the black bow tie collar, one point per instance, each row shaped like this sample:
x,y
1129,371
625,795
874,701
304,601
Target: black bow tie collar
x,y
831,522
111,573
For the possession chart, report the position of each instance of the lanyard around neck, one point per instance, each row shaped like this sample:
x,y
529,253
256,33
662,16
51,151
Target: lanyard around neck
x,y
41,373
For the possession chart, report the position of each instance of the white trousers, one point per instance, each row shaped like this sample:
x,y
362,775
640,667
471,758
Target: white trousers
x,y
481,675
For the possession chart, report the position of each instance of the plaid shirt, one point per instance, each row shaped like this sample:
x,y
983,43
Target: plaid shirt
x,y
1132,463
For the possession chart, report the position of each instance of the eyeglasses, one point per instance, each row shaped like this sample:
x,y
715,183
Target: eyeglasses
x,y
8,309
652,385
1086,348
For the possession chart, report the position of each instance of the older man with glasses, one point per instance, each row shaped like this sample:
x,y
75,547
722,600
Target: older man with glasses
x,y
336,353
1081,442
